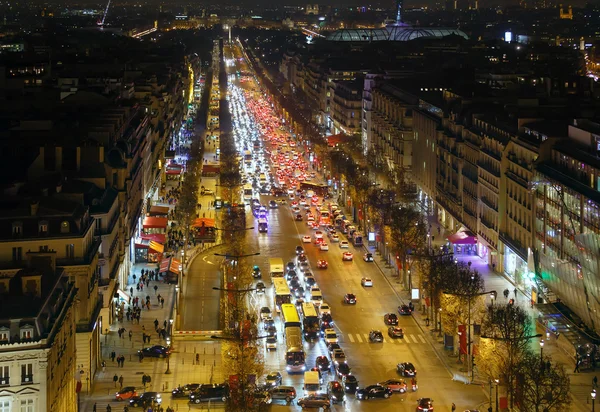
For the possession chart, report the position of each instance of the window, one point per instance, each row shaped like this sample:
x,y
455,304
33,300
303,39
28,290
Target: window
x,y
70,251
26,333
27,373
4,376
43,227
5,406
17,228
27,405
17,254
64,227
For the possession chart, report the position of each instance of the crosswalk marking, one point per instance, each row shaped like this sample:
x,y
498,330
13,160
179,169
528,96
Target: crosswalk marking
x,y
351,338
422,338
366,337
413,338
359,338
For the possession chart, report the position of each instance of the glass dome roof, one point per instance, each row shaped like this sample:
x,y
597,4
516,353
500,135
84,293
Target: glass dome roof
x,y
397,32
359,35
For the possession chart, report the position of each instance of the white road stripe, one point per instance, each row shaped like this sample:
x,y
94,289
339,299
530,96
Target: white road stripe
x,y
350,337
359,338
366,337
414,339
422,338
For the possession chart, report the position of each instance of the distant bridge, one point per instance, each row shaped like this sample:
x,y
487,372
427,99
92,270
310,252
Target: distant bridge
x,y
311,33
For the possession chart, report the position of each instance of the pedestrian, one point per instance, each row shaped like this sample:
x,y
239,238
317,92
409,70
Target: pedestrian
x,y
130,335
155,289
155,324
162,302
165,323
159,297
453,407
121,381
577,366
197,359
427,321
137,287
113,355
115,380
141,356
127,314
103,366
108,408
595,382
515,292
95,406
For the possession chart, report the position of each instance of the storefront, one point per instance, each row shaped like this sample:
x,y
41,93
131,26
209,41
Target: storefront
x,y
464,242
173,171
158,211
148,251
120,299
154,225
515,266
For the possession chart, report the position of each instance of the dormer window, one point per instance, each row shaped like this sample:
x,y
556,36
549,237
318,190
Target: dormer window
x,y
43,227
4,335
64,227
17,229
26,332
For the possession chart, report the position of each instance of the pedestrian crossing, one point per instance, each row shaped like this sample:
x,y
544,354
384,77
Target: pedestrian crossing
x,y
409,339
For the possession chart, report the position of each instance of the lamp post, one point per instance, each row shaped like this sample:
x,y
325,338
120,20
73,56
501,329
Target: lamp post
x,y
470,297
497,381
593,395
542,353
168,371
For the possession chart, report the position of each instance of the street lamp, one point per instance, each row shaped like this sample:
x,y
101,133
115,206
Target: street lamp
x,y
593,395
470,296
542,353
497,381
168,371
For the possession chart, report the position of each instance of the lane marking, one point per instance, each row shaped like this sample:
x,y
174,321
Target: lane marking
x,y
359,338
422,339
350,337
414,339
366,337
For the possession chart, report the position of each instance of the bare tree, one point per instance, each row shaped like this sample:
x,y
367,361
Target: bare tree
x,y
408,232
541,385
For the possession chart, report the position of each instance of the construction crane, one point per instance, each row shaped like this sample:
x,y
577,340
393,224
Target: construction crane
x,y
101,22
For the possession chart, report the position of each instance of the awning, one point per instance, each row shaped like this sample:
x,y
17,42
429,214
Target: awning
x,y
207,222
124,296
211,168
173,172
170,265
335,139
463,238
157,237
159,210
156,247
155,222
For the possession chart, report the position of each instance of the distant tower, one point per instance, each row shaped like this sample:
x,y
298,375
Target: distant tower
x,y
399,11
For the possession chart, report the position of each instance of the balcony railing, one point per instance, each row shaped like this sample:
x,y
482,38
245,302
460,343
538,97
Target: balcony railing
x,y
26,379
5,381
86,259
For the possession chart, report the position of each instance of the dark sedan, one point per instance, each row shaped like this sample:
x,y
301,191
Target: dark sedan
x,y
342,369
390,319
349,299
373,391
404,310
406,369
156,351
350,383
322,362
184,391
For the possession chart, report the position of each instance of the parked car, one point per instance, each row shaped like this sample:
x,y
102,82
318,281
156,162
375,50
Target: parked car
x,y
396,385
368,257
366,282
216,392
273,379
404,310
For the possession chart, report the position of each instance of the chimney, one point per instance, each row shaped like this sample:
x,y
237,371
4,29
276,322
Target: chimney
x,y
34,207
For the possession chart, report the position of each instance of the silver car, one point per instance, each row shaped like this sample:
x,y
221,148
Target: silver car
x,y
318,400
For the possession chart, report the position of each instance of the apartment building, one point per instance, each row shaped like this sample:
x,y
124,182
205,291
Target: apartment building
x,y
37,339
346,105
567,220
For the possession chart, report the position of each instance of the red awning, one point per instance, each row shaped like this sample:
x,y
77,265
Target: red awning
x,y
211,169
159,210
173,172
333,140
156,237
463,238
207,222
170,265
155,222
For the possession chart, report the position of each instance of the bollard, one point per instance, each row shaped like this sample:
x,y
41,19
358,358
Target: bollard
x,y
194,349
205,350
185,349
203,362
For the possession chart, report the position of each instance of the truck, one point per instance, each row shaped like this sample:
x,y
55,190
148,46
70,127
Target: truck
x,y
357,239
276,267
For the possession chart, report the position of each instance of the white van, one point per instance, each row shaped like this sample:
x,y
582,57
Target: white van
x,y
312,385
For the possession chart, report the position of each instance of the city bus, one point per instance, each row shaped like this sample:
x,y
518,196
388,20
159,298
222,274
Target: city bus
x,y
318,189
282,292
276,267
310,321
262,225
248,192
295,357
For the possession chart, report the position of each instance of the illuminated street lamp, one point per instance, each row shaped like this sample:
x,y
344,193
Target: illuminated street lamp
x,y
593,395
